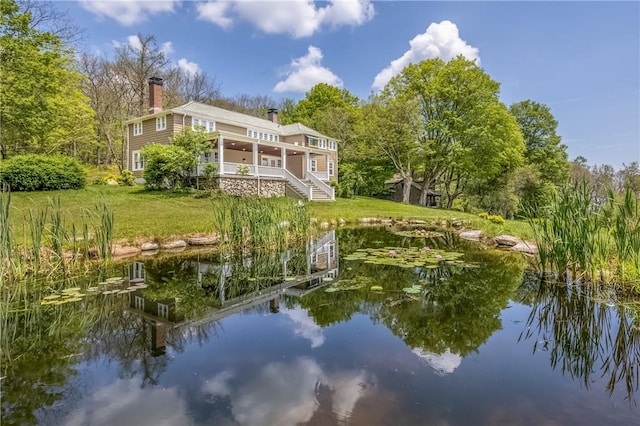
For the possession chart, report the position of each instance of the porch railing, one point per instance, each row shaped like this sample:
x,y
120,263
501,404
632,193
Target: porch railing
x,y
327,189
324,176
297,184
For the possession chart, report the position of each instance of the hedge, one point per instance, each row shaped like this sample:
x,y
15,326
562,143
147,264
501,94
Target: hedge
x,y
42,173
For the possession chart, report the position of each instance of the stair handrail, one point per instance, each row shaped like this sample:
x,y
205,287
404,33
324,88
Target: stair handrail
x,y
297,183
327,189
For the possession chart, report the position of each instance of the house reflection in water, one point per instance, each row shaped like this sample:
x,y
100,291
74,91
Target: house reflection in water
x,y
158,315
255,282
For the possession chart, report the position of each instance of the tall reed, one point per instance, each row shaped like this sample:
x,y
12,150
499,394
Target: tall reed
x,y
47,244
257,223
579,237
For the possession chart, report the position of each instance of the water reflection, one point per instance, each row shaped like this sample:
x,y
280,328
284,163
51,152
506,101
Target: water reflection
x,y
587,336
254,338
286,393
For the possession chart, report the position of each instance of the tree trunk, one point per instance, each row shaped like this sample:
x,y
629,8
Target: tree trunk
x,y
406,189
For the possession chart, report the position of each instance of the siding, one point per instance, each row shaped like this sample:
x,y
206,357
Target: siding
x,y
231,128
150,135
291,139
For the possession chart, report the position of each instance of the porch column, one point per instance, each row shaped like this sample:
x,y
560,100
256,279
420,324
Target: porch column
x,y
254,148
220,155
306,164
283,157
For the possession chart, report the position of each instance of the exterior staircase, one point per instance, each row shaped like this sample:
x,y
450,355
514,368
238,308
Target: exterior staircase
x,y
317,194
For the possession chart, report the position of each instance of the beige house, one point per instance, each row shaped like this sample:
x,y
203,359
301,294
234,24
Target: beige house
x,y
254,156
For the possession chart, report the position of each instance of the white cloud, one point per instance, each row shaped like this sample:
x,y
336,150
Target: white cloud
x,y
444,363
438,41
305,326
190,68
305,72
167,48
300,18
215,11
127,12
134,42
126,402
286,393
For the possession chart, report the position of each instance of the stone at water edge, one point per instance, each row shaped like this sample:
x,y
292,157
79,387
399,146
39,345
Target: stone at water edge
x,y
149,246
417,222
203,241
173,244
506,240
474,235
525,247
119,251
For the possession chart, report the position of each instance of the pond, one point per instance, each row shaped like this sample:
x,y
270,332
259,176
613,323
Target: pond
x,y
413,331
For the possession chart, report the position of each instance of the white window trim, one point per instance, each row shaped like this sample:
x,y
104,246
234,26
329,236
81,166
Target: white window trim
x,y
137,128
137,165
314,165
161,123
330,168
207,125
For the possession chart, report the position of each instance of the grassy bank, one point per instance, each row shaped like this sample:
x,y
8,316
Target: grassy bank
x,y
143,215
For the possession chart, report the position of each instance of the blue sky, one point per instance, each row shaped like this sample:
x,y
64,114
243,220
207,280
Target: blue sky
x,y
582,59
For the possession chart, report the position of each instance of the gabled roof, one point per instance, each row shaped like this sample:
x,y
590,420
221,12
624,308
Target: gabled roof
x,y
215,113
231,117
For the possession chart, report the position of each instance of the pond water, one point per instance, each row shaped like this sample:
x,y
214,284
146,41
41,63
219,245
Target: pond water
x,y
404,335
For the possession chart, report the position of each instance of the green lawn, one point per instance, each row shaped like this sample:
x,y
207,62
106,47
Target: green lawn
x,y
141,215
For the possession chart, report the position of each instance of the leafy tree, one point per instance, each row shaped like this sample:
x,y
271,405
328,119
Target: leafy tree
x,y
170,166
41,105
388,124
545,156
462,131
334,112
628,177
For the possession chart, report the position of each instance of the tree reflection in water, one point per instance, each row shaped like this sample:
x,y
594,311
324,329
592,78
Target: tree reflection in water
x,y
584,333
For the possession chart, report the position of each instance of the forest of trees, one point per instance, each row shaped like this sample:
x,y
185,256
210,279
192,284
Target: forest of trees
x,y
438,124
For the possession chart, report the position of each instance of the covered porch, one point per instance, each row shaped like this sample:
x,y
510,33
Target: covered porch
x,y
307,171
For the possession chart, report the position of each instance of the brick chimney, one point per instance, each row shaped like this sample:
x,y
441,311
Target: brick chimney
x,y
272,115
155,95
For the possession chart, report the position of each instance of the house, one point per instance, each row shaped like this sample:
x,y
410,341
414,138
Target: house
x,y
396,184
254,155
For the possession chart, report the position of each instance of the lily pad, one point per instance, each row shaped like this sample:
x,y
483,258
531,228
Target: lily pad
x,y
412,290
377,288
330,290
419,233
327,279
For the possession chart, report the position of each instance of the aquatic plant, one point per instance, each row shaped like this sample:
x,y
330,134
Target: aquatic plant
x,y
577,237
259,223
46,244
411,257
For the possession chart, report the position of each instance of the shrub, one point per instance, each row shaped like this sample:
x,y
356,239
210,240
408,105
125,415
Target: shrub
x,y
42,173
484,215
127,178
496,219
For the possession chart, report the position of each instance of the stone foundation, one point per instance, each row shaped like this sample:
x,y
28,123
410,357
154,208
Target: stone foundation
x,y
249,185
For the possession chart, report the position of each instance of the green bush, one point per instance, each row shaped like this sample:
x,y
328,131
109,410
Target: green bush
x,y
127,178
484,215
496,219
42,173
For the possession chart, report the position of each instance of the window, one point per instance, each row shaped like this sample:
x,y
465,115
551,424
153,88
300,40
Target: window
x,y
137,129
161,123
332,145
265,161
163,310
323,143
209,126
138,303
330,168
314,164
312,141
138,160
